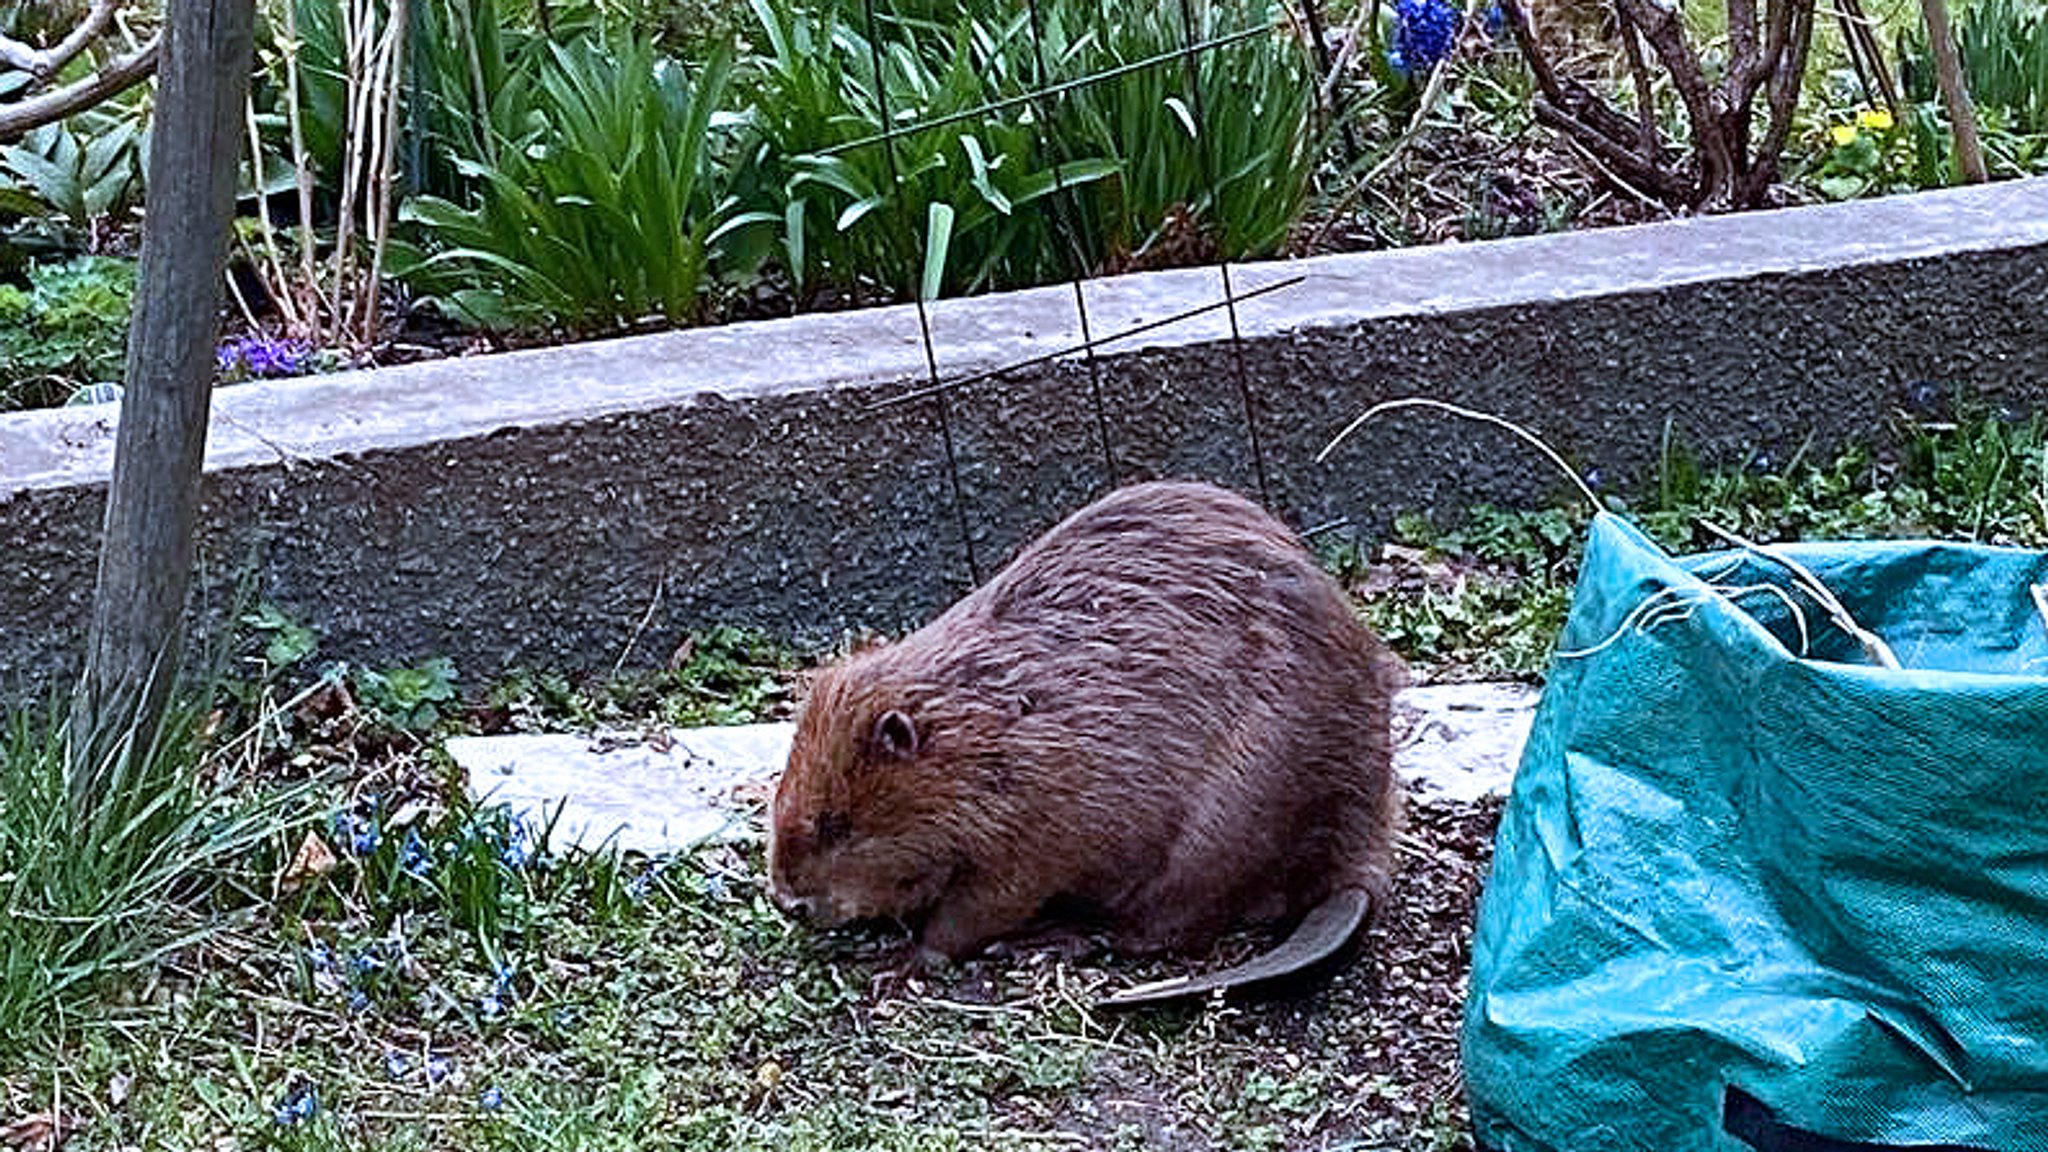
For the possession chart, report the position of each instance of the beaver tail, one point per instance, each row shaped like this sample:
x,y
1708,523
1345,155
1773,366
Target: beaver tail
x,y
1321,935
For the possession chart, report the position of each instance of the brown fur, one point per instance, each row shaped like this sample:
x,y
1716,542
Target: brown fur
x,y
1161,719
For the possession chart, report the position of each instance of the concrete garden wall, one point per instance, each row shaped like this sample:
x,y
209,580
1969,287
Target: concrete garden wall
x,y
570,507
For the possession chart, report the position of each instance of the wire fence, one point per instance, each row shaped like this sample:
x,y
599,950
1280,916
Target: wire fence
x,y
939,394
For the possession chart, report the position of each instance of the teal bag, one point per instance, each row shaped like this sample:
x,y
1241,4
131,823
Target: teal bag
x,y
1743,899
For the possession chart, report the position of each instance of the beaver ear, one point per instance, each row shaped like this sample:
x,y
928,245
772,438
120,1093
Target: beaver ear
x,y
895,736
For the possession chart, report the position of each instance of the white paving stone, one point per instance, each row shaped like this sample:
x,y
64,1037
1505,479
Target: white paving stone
x,y
653,793
1462,741
662,792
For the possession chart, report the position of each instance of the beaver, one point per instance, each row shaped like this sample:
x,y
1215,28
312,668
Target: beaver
x,y
1160,721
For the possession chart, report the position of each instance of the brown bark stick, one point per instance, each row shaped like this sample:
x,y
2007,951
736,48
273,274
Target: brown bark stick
x,y
1955,91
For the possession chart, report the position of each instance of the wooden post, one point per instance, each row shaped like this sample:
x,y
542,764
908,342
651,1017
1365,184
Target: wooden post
x,y
146,553
1955,91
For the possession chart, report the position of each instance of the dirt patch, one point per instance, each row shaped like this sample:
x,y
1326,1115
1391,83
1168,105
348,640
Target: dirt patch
x,y
1367,1058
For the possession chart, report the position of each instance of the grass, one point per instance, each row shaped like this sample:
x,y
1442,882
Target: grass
x,y
169,855
442,979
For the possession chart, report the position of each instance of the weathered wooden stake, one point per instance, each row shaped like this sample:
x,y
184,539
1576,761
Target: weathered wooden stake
x,y
1955,91
152,503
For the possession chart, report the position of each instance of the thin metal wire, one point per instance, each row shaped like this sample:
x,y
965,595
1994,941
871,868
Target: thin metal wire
x,y
1063,221
1136,330
1007,102
1244,387
924,324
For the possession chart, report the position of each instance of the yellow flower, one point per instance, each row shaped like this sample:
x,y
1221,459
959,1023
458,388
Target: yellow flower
x,y
1875,119
1844,134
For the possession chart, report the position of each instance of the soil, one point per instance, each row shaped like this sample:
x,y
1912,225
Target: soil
x,y
1373,1046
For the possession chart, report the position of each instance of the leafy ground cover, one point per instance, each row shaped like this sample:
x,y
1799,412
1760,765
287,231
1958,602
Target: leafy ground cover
x,y
365,959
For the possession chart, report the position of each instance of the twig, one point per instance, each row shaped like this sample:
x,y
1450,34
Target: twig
x,y
302,169
1470,414
21,117
43,63
1874,647
640,629
1955,91
1615,178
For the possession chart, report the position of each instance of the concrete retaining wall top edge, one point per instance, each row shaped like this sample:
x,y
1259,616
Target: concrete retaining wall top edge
x,y
352,412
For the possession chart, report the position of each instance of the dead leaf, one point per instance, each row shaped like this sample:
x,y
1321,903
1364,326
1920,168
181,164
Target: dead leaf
x,y
37,1132
313,860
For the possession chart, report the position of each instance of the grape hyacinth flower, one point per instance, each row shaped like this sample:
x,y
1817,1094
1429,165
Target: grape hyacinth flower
x,y
495,1001
414,859
1425,31
360,833
299,1104
257,356
516,851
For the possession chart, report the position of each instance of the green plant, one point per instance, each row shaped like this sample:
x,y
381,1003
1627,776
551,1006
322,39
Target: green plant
x,y
286,642
410,699
163,859
721,675
86,168
67,331
2003,45
605,217
946,209
1872,154
472,865
1983,477
334,71
1237,178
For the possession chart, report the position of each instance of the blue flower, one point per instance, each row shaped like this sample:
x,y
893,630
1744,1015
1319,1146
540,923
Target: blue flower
x,y
1494,18
414,858
262,356
360,832
438,1068
490,1100
396,1065
358,1000
299,1104
1425,31
320,957
491,1007
516,851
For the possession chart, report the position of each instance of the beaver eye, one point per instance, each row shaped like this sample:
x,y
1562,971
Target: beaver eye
x,y
831,826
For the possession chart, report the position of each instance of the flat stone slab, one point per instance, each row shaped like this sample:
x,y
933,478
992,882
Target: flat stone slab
x,y
645,792
663,792
1462,741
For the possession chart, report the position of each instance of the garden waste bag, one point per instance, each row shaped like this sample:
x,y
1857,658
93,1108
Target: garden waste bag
x,y
1745,898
